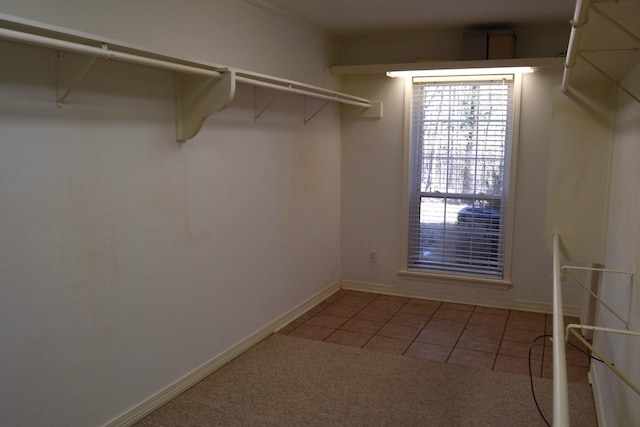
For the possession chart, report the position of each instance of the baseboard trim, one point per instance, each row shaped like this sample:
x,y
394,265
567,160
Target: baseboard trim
x,y
154,402
426,293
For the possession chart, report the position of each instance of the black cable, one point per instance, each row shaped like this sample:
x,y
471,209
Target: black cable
x,y
586,353
533,392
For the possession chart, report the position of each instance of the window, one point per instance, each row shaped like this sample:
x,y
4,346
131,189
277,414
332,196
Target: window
x,y
459,174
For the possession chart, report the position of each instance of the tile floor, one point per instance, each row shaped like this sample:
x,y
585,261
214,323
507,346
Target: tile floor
x,y
483,337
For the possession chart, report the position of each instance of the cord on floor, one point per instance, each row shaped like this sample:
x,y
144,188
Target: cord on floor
x,y
533,392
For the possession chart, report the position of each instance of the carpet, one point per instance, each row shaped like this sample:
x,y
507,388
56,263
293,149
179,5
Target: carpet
x,y
288,381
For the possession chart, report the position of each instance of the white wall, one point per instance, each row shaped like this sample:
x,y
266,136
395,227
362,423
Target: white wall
x,y
579,169
620,405
372,199
127,260
227,32
372,173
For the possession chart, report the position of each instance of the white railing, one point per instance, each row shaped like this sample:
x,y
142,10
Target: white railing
x,y
560,388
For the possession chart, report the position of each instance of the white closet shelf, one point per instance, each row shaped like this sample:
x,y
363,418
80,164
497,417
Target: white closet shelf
x,y
604,44
203,88
447,65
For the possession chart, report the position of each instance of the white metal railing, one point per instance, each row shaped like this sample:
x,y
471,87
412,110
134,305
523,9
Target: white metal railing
x,y
560,388
577,25
560,335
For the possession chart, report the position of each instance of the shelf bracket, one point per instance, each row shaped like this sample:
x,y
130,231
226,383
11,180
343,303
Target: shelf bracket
x,y
308,119
572,329
609,77
256,115
613,22
67,79
198,97
568,269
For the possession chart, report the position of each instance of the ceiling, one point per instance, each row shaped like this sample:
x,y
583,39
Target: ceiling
x,y
356,18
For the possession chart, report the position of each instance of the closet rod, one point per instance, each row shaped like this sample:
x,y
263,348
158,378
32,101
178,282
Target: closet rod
x,y
103,52
290,89
579,19
299,85
560,387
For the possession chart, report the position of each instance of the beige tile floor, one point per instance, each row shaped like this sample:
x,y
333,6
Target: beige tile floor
x,y
484,337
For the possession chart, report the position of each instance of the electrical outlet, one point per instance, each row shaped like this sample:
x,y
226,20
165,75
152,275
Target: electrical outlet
x,y
373,256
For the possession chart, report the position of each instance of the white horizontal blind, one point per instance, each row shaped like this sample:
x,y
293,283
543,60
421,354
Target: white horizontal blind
x,y
461,134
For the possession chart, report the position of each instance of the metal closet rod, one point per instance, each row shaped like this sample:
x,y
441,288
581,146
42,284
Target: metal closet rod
x,y
259,80
580,17
103,52
246,77
560,386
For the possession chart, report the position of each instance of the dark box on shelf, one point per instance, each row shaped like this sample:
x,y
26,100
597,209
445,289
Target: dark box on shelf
x,y
475,45
502,44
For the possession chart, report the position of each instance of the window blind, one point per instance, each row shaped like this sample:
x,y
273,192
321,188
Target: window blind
x,y
460,134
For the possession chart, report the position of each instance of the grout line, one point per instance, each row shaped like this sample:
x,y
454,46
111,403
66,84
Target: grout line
x,y
353,316
504,331
385,323
460,334
423,326
361,309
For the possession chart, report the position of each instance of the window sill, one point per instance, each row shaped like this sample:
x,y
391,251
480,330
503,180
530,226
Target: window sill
x,y
460,280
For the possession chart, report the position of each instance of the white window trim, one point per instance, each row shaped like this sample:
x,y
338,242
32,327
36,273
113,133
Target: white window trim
x,y
460,278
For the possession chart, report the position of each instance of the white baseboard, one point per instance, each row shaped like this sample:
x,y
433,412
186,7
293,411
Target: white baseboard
x,y
427,293
154,402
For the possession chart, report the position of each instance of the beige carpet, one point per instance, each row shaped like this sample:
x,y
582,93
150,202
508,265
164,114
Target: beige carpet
x,y
288,381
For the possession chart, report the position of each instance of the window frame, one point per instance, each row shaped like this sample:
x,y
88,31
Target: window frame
x,y
451,277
